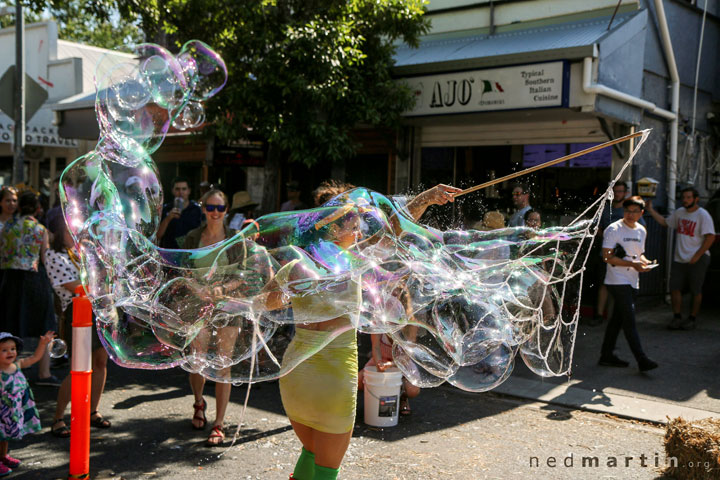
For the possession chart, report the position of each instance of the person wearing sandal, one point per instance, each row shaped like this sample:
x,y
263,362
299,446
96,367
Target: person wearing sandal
x,y
214,207
63,269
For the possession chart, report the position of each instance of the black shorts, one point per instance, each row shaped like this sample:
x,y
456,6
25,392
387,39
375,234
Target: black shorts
x,y
689,275
67,318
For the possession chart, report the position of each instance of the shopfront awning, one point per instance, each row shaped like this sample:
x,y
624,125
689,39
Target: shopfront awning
x,y
562,41
75,117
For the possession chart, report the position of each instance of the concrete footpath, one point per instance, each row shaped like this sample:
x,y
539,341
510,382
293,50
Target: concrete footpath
x,y
685,385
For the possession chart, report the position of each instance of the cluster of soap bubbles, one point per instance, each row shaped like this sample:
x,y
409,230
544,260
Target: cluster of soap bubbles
x,y
459,305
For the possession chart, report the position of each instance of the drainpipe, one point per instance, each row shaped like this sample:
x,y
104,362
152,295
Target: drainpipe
x,y
594,88
675,107
675,102
597,89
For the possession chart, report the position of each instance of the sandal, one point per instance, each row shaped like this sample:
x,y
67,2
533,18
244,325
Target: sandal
x,y
60,432
405,406
200,415
99,421
216,432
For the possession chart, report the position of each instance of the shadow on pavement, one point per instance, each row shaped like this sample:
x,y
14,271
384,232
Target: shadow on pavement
x,y
688,361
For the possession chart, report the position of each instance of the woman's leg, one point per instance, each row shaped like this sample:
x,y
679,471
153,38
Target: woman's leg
x,y
99,376
305,466
197,385
411,391
329,448
197,381
44,366
63,399
222,398
3,449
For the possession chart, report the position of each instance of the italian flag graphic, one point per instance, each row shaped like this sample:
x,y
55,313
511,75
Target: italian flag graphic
x,y
488,86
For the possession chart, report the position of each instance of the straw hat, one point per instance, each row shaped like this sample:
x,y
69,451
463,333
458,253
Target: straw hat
x,y
494,220
242,199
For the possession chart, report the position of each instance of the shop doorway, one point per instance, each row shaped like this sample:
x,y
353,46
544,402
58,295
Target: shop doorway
x,y
559,193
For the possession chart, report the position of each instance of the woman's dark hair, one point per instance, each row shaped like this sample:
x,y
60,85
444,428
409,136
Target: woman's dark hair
x,y
58,240
329,189
28,203
6,191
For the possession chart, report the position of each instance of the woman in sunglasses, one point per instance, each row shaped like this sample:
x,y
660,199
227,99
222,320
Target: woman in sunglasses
x,y
214,205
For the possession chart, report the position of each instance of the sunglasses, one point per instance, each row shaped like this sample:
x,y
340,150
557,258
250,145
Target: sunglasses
x,y
212,208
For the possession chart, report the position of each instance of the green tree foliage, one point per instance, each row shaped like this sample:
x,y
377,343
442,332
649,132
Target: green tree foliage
x,y
303,73
94,23
77,24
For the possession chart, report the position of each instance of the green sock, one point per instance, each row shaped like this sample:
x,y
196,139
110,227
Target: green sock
x,y
305,466
325,473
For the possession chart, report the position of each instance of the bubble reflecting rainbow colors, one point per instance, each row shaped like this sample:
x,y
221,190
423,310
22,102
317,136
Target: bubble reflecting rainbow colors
x,y
459,305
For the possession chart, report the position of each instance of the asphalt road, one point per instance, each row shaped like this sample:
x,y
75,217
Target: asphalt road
x,y
451,434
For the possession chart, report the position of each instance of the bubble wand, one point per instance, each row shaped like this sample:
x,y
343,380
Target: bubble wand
x,y
551,163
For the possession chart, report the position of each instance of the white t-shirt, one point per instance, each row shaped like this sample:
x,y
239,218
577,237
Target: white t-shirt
x,y
61,270
633,241
691,228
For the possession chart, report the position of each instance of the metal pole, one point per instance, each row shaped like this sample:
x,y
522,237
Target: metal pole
x,y
19,145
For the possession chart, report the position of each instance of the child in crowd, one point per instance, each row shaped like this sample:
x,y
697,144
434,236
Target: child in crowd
x,y
18,415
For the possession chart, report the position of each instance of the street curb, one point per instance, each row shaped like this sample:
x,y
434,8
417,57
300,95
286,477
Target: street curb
x,y
599,401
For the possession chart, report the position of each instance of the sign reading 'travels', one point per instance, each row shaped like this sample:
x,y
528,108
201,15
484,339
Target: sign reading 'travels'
x,y
528,86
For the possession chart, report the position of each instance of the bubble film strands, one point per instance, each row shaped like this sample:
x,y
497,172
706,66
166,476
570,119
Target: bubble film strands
x,y
459,305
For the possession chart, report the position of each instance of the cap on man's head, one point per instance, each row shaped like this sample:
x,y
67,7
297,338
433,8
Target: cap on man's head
x,y
293,185
18,341
242,199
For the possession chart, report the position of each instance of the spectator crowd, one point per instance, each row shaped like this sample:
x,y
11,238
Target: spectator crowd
x,y
40,270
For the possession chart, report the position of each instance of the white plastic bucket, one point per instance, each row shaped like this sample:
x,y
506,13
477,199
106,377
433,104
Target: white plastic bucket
x,y
382,396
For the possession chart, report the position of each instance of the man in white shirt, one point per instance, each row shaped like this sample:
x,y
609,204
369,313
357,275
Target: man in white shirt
x,y
695,233
521,200
623,250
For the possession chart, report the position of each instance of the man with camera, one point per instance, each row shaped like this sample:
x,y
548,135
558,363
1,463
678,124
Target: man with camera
x,y
179,216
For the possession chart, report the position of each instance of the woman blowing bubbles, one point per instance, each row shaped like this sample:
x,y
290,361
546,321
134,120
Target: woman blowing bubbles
x,y
319,394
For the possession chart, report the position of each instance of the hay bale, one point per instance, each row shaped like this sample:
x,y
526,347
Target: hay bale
x,y
696,446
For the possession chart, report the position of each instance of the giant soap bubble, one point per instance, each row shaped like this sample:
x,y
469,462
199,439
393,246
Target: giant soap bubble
x,y
459,305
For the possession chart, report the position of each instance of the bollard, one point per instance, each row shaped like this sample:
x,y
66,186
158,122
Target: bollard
x,y
81,376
